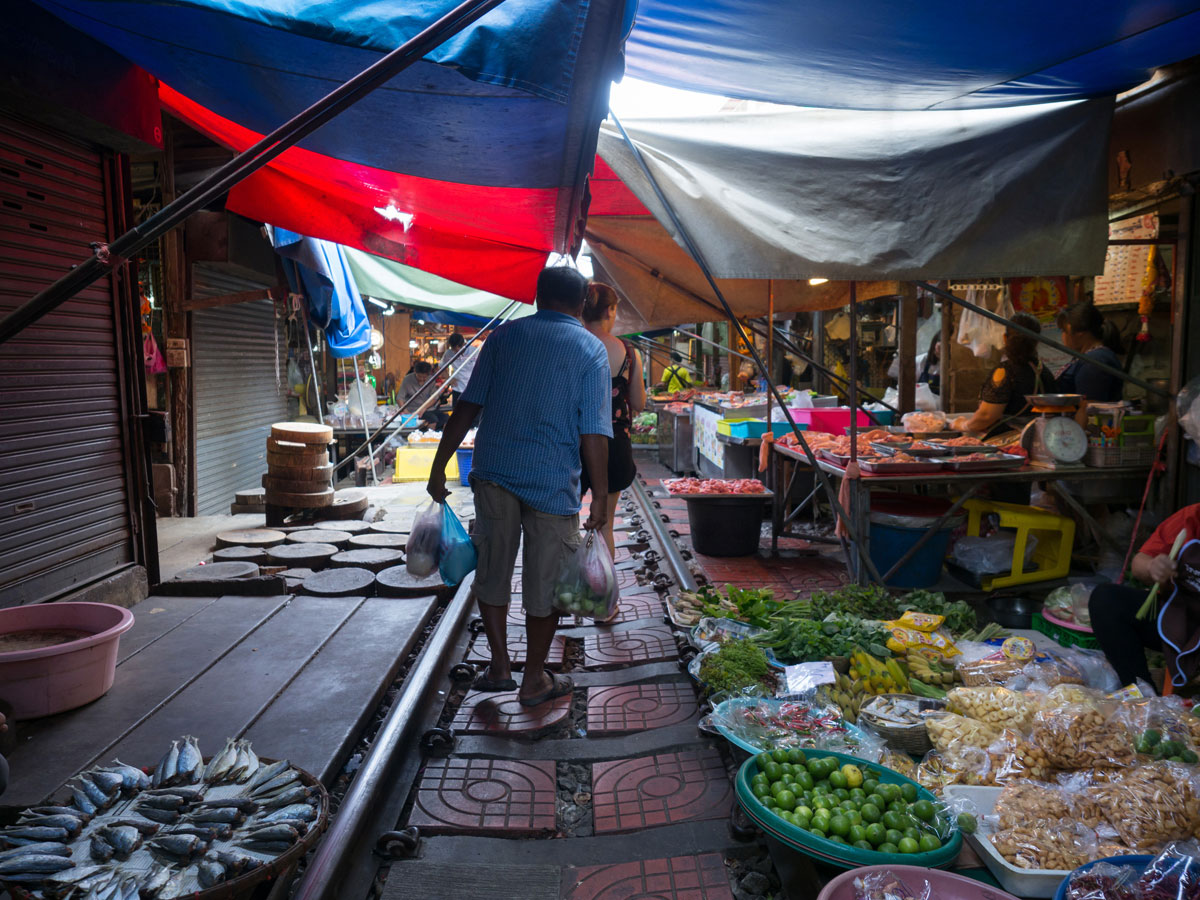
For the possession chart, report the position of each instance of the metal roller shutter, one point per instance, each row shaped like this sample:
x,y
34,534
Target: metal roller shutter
x,y
237,400
64,505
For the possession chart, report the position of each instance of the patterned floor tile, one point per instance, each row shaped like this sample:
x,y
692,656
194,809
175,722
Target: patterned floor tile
x,y
677,878
613,710
486,796
502,713
631,794
623,648
639,606
480,653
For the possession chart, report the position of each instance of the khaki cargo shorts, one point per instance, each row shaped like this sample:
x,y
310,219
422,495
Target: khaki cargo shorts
x,y
500,520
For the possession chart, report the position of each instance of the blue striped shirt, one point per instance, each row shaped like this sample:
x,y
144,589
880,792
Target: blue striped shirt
x,y
543,381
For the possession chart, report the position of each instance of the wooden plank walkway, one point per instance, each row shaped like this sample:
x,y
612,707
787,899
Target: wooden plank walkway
x,y
298,676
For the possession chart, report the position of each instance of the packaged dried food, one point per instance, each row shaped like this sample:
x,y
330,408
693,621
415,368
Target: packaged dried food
x,y
1173,875
1079,737
1039,846
990,670
883,884
994,705
1104,881
1030,802
1150,805
949,728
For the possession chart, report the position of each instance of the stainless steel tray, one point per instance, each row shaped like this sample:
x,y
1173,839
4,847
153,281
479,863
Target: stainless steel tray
x,y
888,467
964,450
998,462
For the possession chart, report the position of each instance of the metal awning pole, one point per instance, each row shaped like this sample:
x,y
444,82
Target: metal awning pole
x,y
694,252
1042,339
106,257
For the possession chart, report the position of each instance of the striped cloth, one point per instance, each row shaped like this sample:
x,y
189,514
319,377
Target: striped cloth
x,y
543,381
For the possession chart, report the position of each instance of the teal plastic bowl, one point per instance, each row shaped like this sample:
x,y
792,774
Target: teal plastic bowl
x,y
828,851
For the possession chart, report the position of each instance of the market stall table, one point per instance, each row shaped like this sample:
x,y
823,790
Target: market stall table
x,y
674,436
787,463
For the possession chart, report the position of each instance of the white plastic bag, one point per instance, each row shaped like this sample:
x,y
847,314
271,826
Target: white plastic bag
x,y
991,555
981,334
424,541
587,584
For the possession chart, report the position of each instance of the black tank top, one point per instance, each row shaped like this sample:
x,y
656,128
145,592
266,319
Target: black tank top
x,y
621,416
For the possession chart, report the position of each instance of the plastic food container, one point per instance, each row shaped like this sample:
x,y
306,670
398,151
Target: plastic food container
x,y
1138,860
826,850
47,680
1014,879
945,885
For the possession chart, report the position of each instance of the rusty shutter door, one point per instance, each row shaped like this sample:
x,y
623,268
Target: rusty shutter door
x,y
234,355
64,506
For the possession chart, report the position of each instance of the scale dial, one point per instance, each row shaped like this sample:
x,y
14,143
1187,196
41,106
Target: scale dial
x,y
1065,439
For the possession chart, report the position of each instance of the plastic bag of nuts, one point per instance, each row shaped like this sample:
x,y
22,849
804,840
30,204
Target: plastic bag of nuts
x,y
1029,802
1014,757
1058,846
1080,737
1150,805
993,704
987,671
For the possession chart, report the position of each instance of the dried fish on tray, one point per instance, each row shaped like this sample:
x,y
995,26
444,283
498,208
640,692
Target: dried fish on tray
x,y
184,828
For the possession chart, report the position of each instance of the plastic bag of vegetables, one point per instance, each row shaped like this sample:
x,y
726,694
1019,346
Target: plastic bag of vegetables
x,y
456,552
587,584
425,540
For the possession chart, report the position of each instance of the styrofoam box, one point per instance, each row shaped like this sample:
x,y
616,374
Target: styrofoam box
x,y
1014,879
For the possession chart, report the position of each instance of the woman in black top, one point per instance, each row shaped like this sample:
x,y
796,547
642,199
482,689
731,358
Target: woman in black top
x,y
1002,397
1086,331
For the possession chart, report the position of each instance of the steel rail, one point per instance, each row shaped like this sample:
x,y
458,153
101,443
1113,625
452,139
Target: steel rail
x,y
670,552
349,831
105,258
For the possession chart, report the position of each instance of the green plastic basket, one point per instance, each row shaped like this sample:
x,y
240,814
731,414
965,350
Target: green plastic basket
x,y
1066,637
828,851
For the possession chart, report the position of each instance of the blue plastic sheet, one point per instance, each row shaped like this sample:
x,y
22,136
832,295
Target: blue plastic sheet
x,y
317,269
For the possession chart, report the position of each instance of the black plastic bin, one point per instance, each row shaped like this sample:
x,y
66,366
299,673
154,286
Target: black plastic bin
x,y
726,524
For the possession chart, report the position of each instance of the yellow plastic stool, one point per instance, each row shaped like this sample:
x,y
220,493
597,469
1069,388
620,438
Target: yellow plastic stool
x,y
1055,539
415,463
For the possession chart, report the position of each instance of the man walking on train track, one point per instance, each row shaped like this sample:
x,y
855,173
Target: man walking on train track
x,y
541,387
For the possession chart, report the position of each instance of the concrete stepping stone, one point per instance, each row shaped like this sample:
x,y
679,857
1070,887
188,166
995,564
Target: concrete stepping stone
x,y
639,707
626,648
373,539
502,713
395,581
302,556
256,555
218,571
687,786
339,539
517,650
498,797
340,583
372,558
250,537
699,877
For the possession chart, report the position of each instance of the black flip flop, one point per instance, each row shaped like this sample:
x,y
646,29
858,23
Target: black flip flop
x,y
560,686
485,684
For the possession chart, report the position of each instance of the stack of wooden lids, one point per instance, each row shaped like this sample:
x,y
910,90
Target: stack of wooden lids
x,y
299,473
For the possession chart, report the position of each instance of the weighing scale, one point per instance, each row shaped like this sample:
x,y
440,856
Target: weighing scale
x,y
1055,440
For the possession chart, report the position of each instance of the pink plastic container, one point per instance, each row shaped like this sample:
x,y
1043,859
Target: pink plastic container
x,y
831,420
48,680
945,885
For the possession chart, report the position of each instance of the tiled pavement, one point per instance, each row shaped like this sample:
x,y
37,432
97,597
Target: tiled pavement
x,y
647,794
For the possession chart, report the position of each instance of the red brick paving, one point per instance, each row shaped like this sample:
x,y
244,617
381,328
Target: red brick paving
x,y
631,794
639,606
479,652
502,713
486,796
614,710
677,878
623,648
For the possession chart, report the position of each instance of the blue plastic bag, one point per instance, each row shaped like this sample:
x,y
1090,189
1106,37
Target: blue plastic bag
x,y
456,551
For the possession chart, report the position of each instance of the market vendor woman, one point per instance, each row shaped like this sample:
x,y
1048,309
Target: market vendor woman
x,y
1002,397
1173,626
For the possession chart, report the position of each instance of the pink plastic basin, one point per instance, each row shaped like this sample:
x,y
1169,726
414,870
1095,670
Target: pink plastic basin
x,y
49,680
831,420
946,886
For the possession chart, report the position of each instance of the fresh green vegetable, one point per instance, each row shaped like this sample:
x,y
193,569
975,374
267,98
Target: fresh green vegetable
x,y
921,689
804,640
960,616
988,632
866,601
754,606
737,665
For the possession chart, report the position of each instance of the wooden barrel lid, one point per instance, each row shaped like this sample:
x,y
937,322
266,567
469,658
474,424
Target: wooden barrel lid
x,y
352,526
302,432
391,526
252,497
239,553
348,504
386,541
313,500
376,559
340,583
292,448
396,582
289,460
297,471
319,536
251,537
276,483
302,556
218,571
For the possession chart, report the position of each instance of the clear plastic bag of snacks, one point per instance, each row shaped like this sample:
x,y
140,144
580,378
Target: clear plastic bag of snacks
x,y
883,884
1080,736
1173,875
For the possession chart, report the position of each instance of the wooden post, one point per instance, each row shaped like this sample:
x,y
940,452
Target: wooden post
x,y
177,326
908,346
820,383
944,353
770,347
